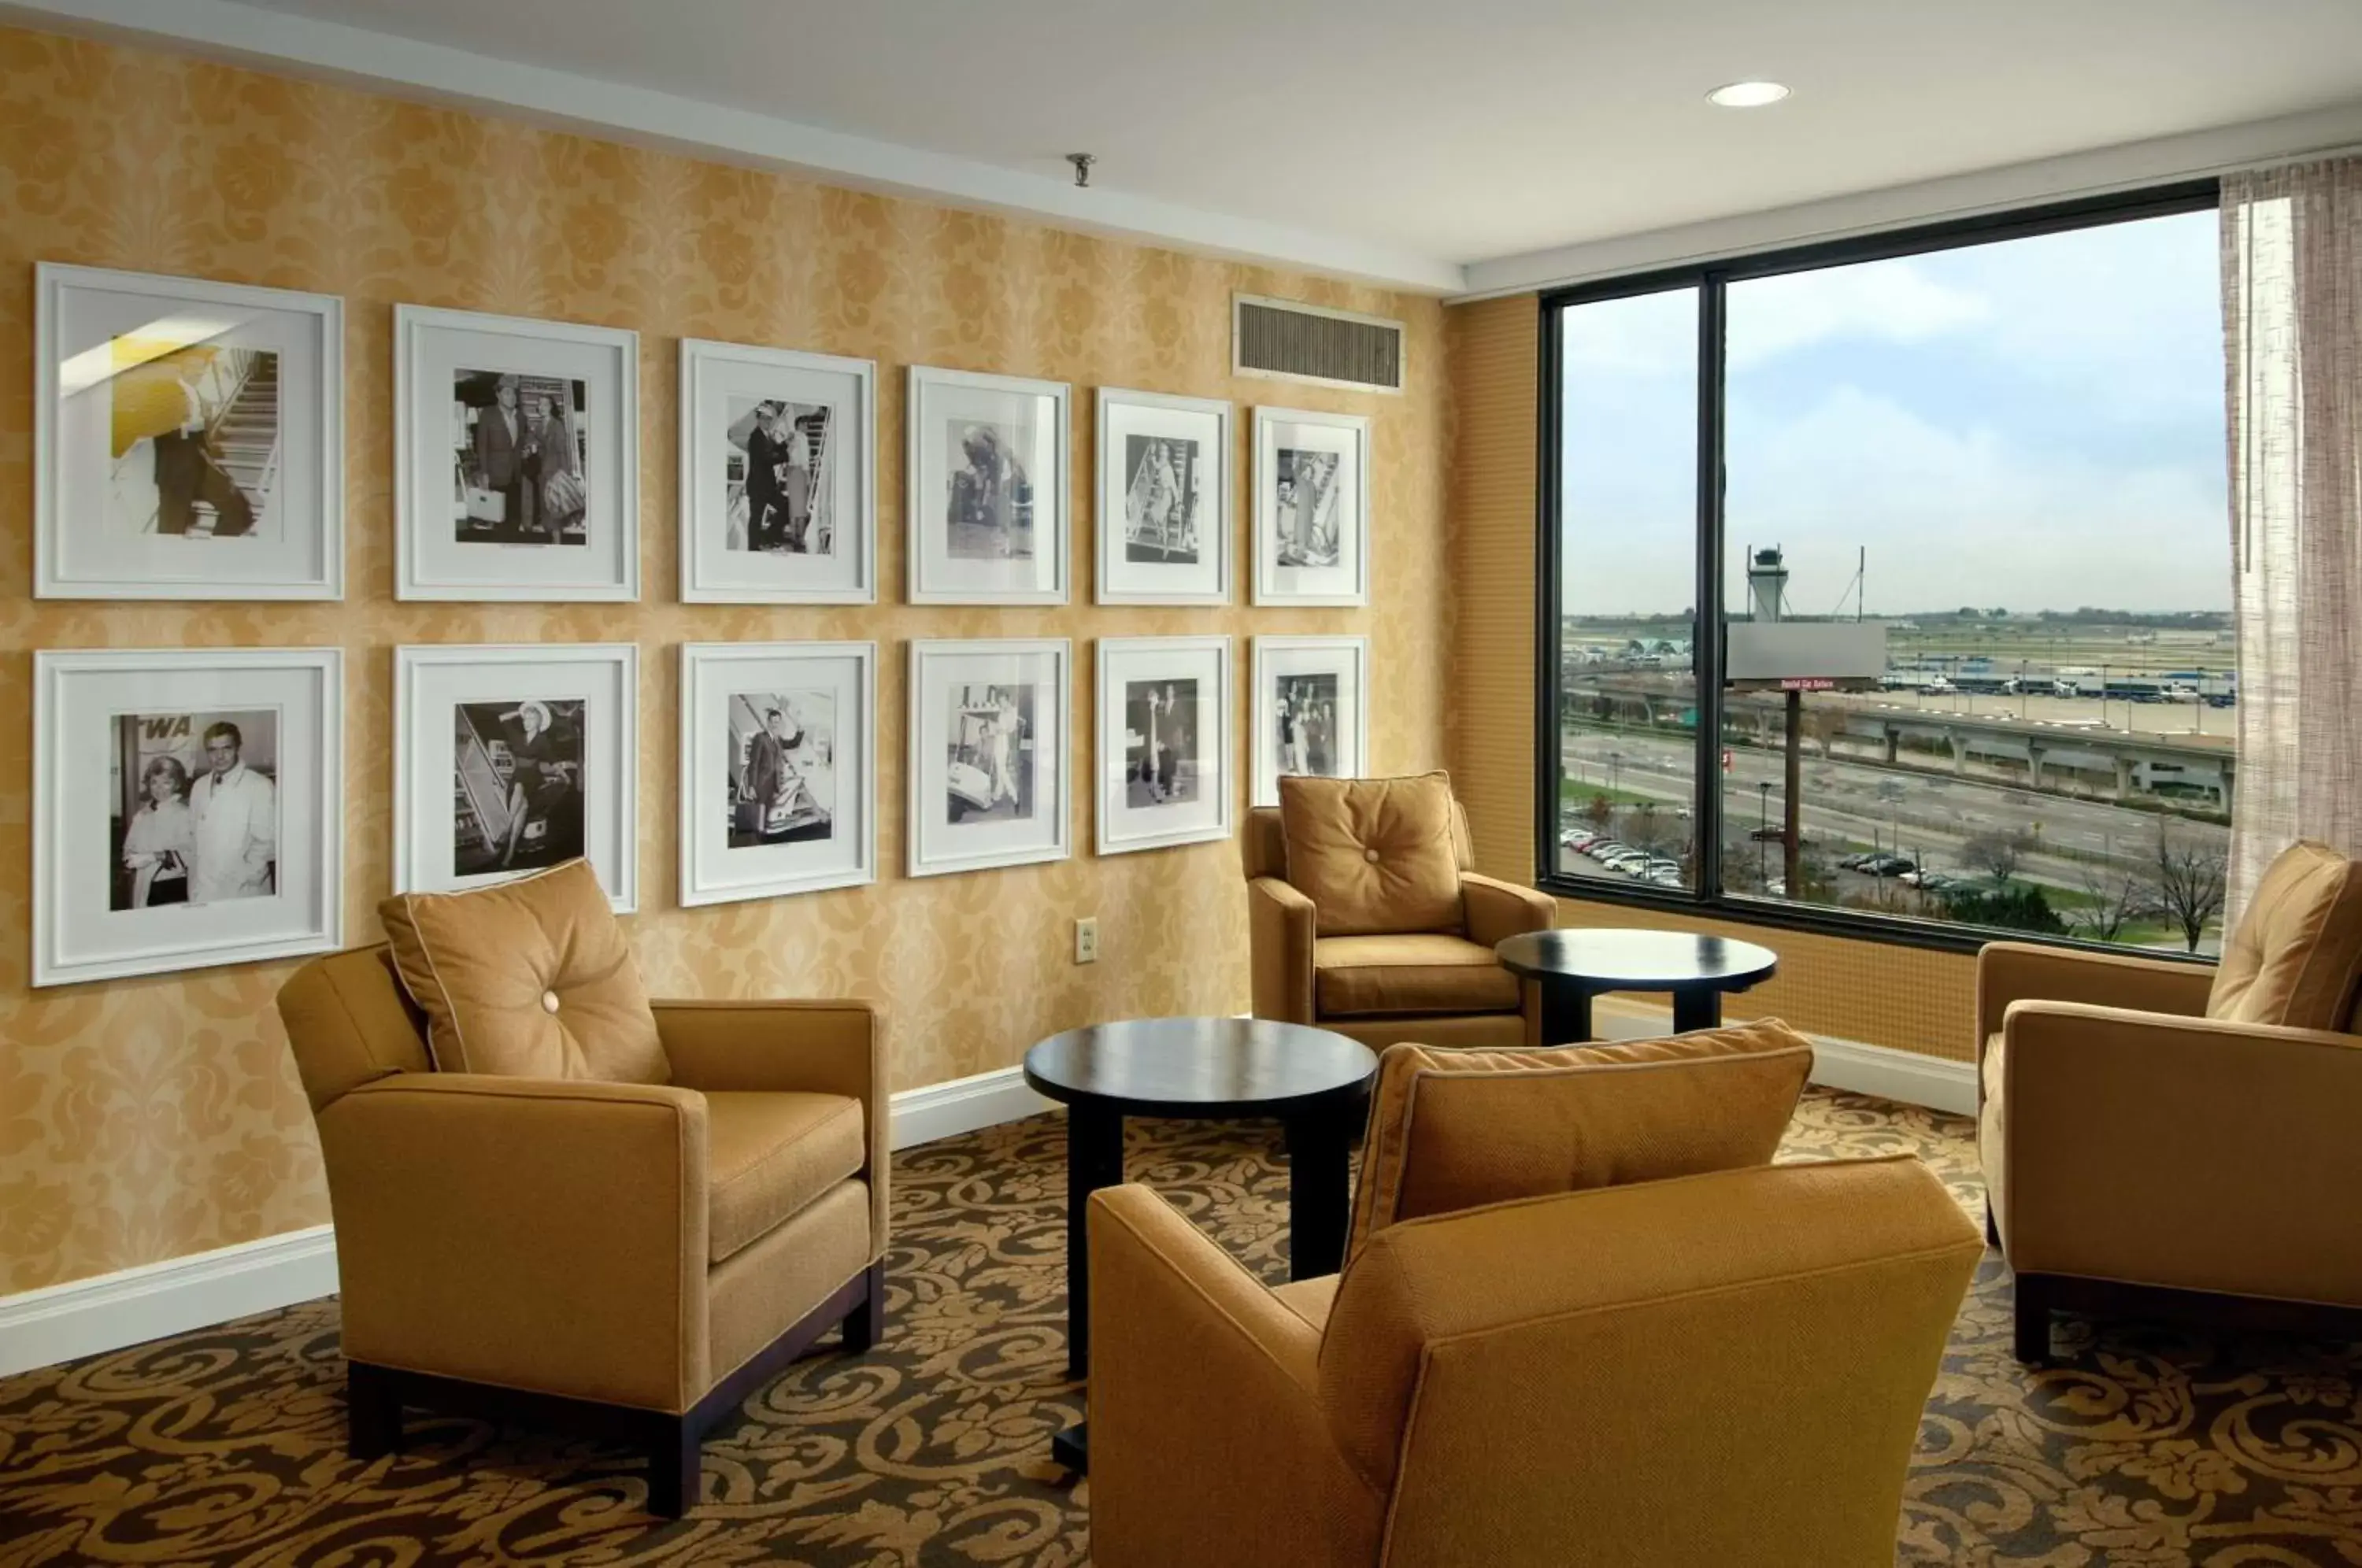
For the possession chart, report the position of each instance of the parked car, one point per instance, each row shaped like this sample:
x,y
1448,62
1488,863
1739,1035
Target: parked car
x,y
1777,887
1890,866
1576,838
1859,862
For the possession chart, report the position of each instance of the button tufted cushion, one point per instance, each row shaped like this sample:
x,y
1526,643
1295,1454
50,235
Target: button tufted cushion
x,y
1374,855
528,979
2296,955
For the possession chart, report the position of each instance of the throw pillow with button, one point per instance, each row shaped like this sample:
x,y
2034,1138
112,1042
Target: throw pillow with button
x,y
531,978
1376,856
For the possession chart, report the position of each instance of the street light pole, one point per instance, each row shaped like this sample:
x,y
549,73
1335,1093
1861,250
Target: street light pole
x,y
1762,827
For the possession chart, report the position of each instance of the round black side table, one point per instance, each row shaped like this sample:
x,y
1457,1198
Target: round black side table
x,y
1572,966
1203,1069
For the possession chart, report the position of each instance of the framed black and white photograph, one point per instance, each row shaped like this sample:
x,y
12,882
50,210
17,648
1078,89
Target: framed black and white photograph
x,y
988,767
514,758
188,809
1311,507
1164,499
1164,742
188,438
779,768
778,499
988,460
516,457
1311,710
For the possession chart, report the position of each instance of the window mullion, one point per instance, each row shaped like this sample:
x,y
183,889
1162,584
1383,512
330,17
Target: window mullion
x,y
1705,637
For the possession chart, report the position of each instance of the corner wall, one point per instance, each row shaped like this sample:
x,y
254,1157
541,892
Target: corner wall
x,y
1876,993
151,1118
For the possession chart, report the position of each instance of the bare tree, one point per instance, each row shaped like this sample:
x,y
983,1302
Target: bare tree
x,y
1646,828
2117,898
2186,879
1599,811
1996,854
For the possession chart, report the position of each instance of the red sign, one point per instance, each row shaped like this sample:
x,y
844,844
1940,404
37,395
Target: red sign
x,y
1726,761
1808,683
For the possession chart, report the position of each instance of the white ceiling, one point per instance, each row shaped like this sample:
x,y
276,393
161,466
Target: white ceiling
x,y
1428,134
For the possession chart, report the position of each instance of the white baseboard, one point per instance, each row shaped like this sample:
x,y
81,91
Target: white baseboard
x,y
1909,1077
108,1311
111,1311
963,1105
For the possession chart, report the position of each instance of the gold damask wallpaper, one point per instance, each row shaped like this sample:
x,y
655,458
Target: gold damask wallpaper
x,y
148,1119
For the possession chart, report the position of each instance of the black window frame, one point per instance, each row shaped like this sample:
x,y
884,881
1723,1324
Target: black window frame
x,y
1712,280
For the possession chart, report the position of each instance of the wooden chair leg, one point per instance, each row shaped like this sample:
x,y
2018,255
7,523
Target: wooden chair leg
x,y
372,1411
865,1324
2031,1334
676,1455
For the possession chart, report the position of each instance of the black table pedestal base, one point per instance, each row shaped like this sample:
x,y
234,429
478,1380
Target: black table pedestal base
x,y
1072,1448
1566,1013
1695,1007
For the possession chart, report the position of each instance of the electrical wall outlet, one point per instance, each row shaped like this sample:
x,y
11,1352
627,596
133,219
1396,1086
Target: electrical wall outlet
x,y
1086,940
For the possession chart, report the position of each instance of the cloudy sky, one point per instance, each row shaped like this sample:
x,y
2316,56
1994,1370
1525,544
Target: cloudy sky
x,y
2036,424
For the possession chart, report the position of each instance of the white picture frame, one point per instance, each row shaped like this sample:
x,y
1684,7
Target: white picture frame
x,y
1167,741
989,741
1333,675
815,539
583,797
1165,518
476,499
1311,550
814,824
989,462
152,850
188,438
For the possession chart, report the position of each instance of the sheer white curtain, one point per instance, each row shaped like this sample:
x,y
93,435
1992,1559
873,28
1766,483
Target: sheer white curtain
x,y
2293,320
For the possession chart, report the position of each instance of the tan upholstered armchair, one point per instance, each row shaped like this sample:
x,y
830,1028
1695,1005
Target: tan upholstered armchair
x,y
2159,1135
635,1258
1721,1368
1430,977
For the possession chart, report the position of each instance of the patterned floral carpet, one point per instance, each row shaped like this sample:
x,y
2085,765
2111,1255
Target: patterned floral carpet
x,y
2142,1446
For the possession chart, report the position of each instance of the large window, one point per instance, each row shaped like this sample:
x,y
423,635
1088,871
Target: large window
x,y
1967,576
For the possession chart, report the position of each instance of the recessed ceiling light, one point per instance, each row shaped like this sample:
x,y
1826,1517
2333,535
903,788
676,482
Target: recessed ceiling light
x,y
1747,94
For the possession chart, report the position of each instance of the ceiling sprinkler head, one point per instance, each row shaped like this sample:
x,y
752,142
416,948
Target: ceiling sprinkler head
x,y
1082,162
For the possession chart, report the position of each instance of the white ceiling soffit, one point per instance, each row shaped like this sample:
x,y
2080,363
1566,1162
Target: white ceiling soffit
x,y
560,99
2108,170
1490,147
